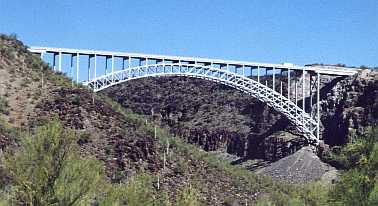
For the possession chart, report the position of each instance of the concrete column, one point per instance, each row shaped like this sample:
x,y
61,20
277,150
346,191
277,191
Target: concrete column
x,y
311,84
129,62
303,95
258,74
89,67
95,65
274,79
60,61
106,65
77,67
71,67
54,61
112,68
288,83
123,63
318,106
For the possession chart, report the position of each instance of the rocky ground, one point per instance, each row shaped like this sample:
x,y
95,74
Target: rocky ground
x,y
122,140
240,129
300,167
212,116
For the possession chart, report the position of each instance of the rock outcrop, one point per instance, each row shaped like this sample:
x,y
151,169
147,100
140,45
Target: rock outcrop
x,y
349,107
217,117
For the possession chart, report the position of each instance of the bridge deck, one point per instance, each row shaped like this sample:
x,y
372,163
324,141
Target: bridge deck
x,y
329,70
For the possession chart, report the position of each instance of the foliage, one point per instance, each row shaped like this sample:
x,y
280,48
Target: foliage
x,y
139,191
47,170
358,184
188,196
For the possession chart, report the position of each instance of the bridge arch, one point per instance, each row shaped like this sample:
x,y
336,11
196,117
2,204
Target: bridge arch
x,y
296,115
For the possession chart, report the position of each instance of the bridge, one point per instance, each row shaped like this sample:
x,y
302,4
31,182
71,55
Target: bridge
x,y
283,87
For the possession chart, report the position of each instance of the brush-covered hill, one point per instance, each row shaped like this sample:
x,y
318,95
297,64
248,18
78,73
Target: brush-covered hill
x,y
130,144
31,94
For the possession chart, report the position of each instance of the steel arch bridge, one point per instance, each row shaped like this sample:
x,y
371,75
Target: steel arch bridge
x,y
243,76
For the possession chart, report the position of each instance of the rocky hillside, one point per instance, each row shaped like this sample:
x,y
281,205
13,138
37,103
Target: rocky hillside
x,y
220,118
349,107
32,94
214,116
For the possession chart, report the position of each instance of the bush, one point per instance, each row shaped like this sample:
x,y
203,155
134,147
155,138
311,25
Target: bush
x,y
47,170
358,184
188,196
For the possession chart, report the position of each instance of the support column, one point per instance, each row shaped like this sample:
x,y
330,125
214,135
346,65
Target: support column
x,y
54,62
303,96
288,83
258,74
129,62
274,79
95,66
71,67
318,107
89,67
112,68
77,67
296,88
266,77
106,65
311,85
123,63
60,61
296,94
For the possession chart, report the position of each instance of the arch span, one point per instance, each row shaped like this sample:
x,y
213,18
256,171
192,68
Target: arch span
x,y
297,116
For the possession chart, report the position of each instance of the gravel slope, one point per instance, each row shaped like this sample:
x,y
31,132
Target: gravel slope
x,y
300,167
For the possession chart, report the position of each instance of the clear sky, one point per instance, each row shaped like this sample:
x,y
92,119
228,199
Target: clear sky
x,y
276,31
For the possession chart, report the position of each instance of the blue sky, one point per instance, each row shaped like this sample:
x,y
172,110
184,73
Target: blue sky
x,y
276,31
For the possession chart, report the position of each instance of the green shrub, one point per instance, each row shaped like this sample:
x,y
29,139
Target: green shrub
x,y
47,170
358,184
188,196
139,191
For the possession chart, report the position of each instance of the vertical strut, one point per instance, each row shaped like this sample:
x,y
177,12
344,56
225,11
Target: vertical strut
x,y
123,63
89,68
303,96
112,68
106,65
288,83
311,85
71,67
274,78
54,61
95,65
258,74
77,67
318,107
60,61
296,88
